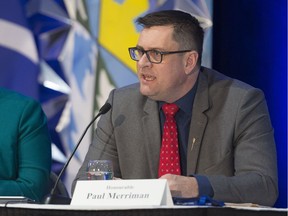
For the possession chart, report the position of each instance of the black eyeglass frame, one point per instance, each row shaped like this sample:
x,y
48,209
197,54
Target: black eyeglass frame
x,y
130,49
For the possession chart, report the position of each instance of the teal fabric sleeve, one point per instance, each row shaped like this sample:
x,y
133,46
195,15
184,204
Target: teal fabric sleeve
x,y
25,148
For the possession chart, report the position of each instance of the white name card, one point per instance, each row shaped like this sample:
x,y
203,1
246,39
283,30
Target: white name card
x,y
142,192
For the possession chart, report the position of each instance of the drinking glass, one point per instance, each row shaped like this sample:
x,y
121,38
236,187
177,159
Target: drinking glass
x,y
100,170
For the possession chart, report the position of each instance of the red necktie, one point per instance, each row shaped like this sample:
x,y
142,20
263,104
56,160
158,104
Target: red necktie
x,y
169,155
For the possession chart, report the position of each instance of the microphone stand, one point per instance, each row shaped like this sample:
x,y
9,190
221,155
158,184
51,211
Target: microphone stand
x,y
53,198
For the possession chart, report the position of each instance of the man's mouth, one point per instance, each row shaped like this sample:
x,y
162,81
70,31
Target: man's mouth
x,y
147,77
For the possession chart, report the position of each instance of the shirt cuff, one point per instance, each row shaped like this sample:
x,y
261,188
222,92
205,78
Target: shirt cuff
x,y
204,186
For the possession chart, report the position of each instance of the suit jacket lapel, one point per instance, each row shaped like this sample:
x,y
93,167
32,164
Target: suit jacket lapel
x,y
152,135
198,124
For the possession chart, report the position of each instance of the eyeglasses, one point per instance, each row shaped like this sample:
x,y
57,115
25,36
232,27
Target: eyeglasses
x,y
154,56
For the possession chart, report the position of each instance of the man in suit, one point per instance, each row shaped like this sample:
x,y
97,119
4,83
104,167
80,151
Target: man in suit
x,y
225,137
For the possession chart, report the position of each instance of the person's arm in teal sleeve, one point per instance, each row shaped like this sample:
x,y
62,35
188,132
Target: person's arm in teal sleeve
x,y
34,156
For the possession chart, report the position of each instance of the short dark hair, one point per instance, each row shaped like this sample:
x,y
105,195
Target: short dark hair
x,y
187,30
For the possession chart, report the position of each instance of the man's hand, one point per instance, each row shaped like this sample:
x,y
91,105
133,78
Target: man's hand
x,y
182,186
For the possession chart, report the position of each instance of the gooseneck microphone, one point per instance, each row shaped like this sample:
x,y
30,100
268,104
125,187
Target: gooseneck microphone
x,y
53,198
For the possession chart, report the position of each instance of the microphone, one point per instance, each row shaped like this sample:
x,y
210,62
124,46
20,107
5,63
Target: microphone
x,y
53,198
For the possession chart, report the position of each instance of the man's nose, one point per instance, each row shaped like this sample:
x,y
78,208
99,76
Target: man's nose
x,y
144,61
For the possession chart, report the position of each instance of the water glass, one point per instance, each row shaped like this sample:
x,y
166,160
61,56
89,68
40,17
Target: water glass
x,y
100,170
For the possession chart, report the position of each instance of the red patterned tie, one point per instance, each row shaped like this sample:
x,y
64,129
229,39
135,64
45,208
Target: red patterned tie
x,y
169,154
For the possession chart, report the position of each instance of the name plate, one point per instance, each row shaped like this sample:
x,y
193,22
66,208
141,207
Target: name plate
x,y
122,193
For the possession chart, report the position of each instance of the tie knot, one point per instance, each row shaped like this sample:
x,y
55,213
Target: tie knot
x,y
170,109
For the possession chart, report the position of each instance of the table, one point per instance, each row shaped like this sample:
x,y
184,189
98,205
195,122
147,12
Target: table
x,y
67,210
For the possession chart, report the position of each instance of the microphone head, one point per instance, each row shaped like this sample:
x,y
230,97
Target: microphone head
x,y
105,108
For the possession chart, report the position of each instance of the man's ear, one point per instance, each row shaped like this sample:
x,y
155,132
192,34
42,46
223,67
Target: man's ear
x,y
191,61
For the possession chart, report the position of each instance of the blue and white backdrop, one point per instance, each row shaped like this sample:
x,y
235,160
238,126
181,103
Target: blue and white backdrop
x,y
69,54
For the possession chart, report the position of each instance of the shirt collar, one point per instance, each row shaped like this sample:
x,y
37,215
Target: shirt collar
x,y
186,102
